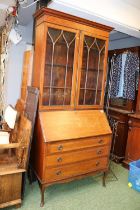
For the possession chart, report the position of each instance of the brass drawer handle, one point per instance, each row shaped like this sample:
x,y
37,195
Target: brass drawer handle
x,y
60,147
99,152
58,173
100,141
97,163
130,122
59,159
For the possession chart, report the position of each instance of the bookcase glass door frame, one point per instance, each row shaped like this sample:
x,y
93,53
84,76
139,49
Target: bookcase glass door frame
x,y
63,31
85,89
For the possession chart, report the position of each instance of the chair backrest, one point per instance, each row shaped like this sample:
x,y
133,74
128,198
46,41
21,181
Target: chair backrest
x,y
31,109
10,116
23,137
20,106
31,104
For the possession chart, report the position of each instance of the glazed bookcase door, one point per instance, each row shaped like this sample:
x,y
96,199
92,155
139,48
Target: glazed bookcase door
x,y
60,68
91,73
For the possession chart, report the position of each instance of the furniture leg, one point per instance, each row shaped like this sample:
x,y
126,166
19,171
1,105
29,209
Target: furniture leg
x,y
42,190
18,206
104,177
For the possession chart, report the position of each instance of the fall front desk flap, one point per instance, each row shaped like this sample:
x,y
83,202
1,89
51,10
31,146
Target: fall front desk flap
x,y
64,125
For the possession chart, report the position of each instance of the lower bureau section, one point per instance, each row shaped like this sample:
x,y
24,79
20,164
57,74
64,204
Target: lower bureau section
x,y
71,170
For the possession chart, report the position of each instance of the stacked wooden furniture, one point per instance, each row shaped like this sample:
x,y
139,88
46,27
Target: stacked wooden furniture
x,y
72,135
133,146
13,159
119,110
27,73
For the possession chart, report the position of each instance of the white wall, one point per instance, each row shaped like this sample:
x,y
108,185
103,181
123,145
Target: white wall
x,y
119,14
14,67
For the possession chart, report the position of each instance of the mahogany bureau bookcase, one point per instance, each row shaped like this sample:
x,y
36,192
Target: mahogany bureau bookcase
x,y
72,135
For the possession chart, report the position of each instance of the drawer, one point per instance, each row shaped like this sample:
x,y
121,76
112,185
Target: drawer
x,y
70,145
71,170
71,157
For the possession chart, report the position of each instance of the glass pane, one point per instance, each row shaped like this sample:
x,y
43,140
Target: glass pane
x,y
92,71
98,98
88,96
57,96
59,67
46,96
67,96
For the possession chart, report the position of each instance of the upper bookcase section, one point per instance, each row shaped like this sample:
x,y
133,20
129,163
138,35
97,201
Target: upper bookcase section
x,y
43,13
69,61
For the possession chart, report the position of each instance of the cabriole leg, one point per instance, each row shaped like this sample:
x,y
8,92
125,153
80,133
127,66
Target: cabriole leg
x,y
42,190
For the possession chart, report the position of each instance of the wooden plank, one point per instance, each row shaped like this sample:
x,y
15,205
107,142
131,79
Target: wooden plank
x,y
12,171
11,203
10,187
9,146
10,168
68,17
27,73
62,125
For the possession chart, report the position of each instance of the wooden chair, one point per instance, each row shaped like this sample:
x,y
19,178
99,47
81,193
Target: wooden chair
x,y
13,164
29,108
10,117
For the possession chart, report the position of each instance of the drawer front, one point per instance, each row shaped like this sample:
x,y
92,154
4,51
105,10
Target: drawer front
x,y
71,170
71,157
70,145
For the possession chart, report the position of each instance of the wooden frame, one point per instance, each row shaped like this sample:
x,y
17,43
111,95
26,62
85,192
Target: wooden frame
x,y
13,163
69,131
79,72
71,106
49,18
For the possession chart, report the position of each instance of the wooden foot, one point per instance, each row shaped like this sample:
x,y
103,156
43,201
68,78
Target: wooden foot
x,y
104,177
18,206
42,190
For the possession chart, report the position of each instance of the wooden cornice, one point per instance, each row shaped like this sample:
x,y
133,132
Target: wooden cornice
x,y
46,11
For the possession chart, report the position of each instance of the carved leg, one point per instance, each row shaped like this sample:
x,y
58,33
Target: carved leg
x,y
104,177
42,189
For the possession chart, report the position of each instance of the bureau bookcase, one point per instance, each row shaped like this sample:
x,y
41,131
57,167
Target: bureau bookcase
x,y
72,137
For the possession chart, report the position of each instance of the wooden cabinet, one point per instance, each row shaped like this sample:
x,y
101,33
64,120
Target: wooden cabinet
x,y
133,145
70,71
70,145
119,124
70,61
118,108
